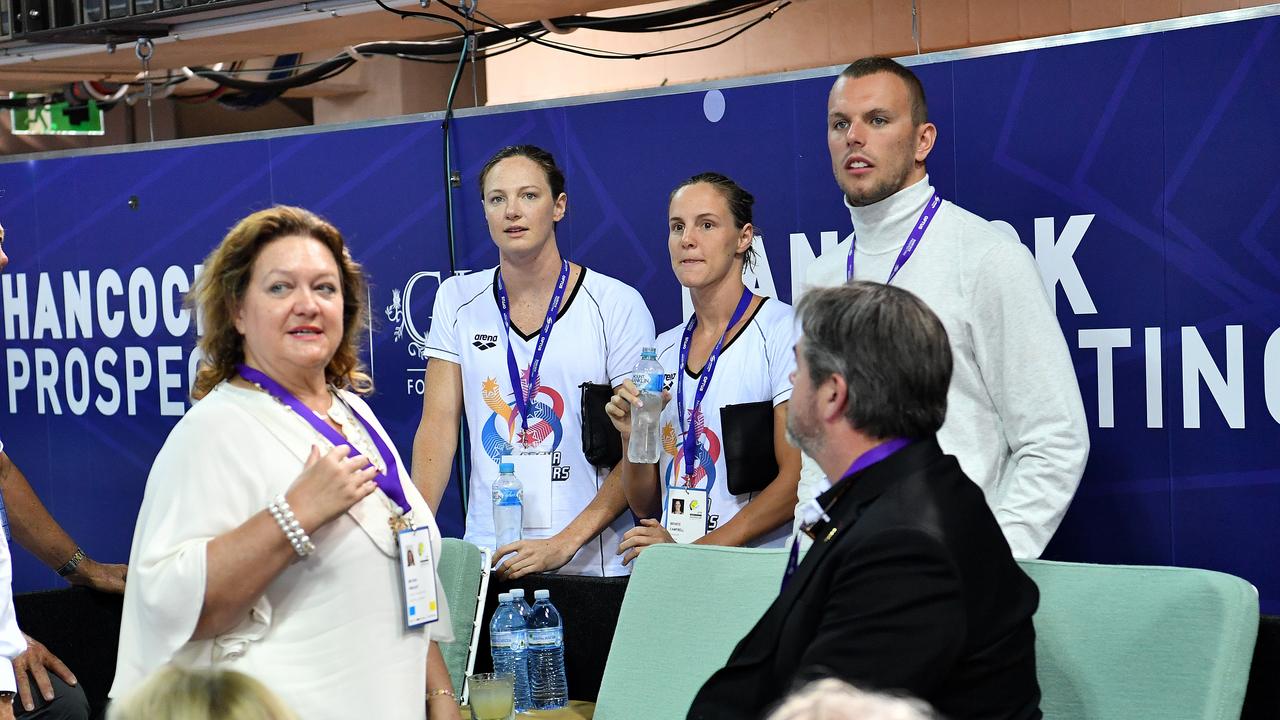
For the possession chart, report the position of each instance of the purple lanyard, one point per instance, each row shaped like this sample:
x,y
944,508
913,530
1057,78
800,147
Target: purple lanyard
x,y
691,434
389,482
525,394
913,240
862,462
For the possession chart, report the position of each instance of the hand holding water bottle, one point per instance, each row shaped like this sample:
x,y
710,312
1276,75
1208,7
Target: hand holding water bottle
x,y
636,408
619,407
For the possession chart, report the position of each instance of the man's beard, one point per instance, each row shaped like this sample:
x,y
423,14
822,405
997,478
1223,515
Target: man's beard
x,y
808,439
879,192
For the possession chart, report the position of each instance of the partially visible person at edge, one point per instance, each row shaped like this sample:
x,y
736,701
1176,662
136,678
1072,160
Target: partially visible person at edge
x,y
58,695
12,643
486,365
909,586
1015,419
175,693
710,235
267,538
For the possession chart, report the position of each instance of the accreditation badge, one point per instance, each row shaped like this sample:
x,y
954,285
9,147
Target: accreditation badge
x,y
418,573
686,512
533,470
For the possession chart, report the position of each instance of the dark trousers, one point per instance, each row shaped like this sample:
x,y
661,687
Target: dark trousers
x,y
69,703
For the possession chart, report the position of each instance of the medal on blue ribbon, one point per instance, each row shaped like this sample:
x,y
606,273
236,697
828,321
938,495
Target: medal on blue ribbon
x,y
525,392
692,428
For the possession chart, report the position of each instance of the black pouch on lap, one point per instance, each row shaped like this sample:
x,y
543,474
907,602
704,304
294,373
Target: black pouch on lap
x,y
601,443
748,446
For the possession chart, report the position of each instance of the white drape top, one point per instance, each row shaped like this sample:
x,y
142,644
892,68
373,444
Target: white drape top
x,y
328,635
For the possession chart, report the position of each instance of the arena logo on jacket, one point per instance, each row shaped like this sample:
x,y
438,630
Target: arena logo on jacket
x,y
503,432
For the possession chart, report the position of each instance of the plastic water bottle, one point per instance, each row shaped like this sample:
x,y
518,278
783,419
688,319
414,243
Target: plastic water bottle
x,y
508,505
517,599
646,422
508,643
550,688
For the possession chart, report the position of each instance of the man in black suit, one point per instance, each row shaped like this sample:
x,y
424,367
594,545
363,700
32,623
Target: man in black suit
x,y
910,585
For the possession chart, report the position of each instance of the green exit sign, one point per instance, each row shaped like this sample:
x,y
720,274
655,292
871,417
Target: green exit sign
x,y
56,119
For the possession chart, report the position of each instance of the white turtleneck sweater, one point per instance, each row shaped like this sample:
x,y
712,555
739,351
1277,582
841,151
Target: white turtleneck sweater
x,y
1015,420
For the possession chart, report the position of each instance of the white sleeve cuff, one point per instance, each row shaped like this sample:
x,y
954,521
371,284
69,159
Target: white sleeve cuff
x,y
7,681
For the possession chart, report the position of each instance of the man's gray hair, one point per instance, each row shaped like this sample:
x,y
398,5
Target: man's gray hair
x,y
891,350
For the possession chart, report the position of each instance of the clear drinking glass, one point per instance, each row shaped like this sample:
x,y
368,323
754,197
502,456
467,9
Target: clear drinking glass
x,y
492,696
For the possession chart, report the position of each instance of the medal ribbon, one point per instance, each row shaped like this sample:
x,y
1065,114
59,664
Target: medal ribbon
x,y
913,240
860,463
389,481
690,441
524,399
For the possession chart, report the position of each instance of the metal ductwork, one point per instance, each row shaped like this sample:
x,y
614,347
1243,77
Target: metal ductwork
x,y
108,21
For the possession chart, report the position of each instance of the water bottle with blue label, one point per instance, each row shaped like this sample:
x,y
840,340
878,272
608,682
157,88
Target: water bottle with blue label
x,y
508,644
646,421
550,688
508,506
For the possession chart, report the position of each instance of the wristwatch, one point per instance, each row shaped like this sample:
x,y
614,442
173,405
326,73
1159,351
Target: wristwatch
x,y
7,696
71,565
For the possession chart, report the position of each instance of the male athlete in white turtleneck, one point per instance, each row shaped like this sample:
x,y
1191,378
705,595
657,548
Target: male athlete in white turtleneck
x,y
1015,420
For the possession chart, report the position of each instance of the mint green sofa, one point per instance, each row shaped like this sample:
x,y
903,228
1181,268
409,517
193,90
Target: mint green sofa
x,y
1125,641
1112,642
685,609
464,580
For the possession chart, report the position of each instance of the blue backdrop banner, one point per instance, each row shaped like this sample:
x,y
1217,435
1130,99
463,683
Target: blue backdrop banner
x,y
1135,168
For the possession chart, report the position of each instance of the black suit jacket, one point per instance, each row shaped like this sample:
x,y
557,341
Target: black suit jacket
x,y
911,587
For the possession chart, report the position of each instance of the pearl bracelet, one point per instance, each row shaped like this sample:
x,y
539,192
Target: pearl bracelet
x,y
284,517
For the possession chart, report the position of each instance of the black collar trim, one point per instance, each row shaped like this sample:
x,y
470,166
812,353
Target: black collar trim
x,y
564,308
750,319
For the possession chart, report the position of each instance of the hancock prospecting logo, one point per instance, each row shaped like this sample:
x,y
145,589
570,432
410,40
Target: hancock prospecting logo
x,y
400,310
